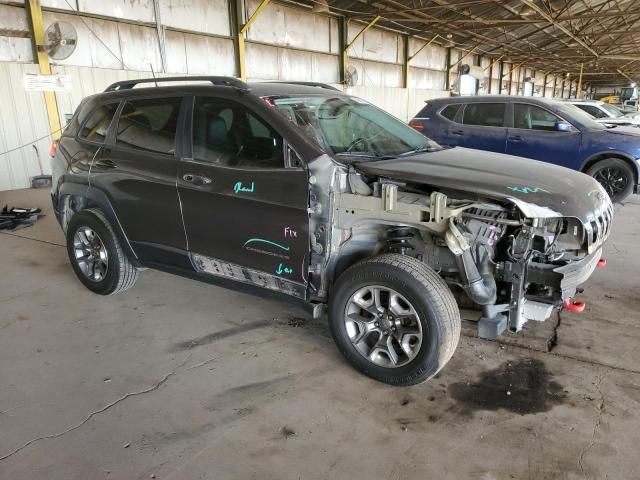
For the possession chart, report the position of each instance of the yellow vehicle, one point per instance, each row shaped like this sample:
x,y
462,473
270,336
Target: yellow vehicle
x,y
615,99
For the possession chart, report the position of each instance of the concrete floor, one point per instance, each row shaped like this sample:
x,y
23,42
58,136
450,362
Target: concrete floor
x,y
176,379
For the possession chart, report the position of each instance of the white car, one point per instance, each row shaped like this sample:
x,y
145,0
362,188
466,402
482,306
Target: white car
x,y
608,114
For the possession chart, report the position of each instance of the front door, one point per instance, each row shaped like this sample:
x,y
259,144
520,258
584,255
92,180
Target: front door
x,y
534,135
244,209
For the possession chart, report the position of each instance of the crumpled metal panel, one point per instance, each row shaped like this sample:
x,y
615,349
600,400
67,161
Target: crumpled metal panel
x,y
139,47
426,79
140,10
377,74
176,52
208,16
59,4
209,55
14,49
276,63
288,26
433,57
23,117
375,44
335,36
393,100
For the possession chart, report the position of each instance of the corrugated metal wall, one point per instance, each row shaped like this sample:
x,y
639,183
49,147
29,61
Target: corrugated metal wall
x,y
120,39
22,118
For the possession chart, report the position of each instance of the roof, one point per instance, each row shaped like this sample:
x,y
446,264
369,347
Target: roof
x,y
554,36
196,86
492,98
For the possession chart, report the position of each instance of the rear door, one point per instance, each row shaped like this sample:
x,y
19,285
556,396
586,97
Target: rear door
x,y
534,135
483,126
244,205
138,169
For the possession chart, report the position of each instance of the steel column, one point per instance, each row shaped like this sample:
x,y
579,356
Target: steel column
x,y
36,23
579,92
242,30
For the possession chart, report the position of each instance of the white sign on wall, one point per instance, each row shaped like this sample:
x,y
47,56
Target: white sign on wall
x,y
46,83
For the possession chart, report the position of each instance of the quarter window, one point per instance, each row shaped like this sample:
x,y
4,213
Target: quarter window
x,y
531,117
149,124
485,114
226,133
96,127
450,111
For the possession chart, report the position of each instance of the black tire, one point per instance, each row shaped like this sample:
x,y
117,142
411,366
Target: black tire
x,y
616,176
120,273
425,291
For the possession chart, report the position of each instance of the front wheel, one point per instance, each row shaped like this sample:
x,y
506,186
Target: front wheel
x,y
394,319
616,176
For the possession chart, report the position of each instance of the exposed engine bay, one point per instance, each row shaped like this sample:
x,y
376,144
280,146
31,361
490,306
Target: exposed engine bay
x,y
494,257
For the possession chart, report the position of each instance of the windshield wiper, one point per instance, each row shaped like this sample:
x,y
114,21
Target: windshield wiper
x,y
359,154
420,149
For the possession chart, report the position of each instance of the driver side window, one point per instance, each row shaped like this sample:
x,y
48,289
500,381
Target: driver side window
x,y
226,133
531,117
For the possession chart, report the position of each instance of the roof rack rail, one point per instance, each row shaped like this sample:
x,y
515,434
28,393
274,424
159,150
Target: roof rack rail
x,y
215,80
308,84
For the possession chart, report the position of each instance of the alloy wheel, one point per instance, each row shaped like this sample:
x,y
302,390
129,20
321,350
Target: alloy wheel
x,y
612,179
383,326
91,254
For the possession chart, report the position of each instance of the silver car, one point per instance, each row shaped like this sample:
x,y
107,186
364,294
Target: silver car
x,y
608,114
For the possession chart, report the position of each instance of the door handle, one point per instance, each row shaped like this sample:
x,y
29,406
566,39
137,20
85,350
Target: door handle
x,y
458,132
196,179
515,138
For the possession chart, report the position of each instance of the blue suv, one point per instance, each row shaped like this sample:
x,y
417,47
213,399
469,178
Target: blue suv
x,y
538,128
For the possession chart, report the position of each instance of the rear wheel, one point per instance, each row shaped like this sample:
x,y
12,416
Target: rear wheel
x,y
96,255
394,319
616,176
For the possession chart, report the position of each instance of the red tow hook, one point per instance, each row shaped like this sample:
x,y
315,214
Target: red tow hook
x,y
602,263
574,305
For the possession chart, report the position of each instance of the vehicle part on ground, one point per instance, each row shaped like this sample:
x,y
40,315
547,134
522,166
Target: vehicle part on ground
x,y
18,217
96,255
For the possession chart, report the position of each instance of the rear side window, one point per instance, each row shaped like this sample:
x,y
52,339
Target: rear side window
x,y
450,111
149,124
485,114
96,127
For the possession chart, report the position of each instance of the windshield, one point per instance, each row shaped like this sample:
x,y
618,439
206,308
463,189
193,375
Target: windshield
x,y
571,111
613,111
349,127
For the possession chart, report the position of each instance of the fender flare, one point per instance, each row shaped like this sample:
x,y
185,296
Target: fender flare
x,y
616,154
98,198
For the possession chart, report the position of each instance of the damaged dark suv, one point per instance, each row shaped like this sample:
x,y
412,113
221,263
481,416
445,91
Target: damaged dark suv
x,y
304,191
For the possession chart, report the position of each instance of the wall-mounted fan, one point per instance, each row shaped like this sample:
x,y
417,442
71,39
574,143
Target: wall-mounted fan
x,y
351,76
60,39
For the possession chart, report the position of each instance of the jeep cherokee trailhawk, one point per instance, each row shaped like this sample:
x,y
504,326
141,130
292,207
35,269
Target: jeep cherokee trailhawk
x,y
302,190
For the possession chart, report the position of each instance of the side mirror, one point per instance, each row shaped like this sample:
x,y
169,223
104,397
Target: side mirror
x,y
564,127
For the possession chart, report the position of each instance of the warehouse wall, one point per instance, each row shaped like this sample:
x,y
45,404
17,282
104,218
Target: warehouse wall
x,y
123,39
